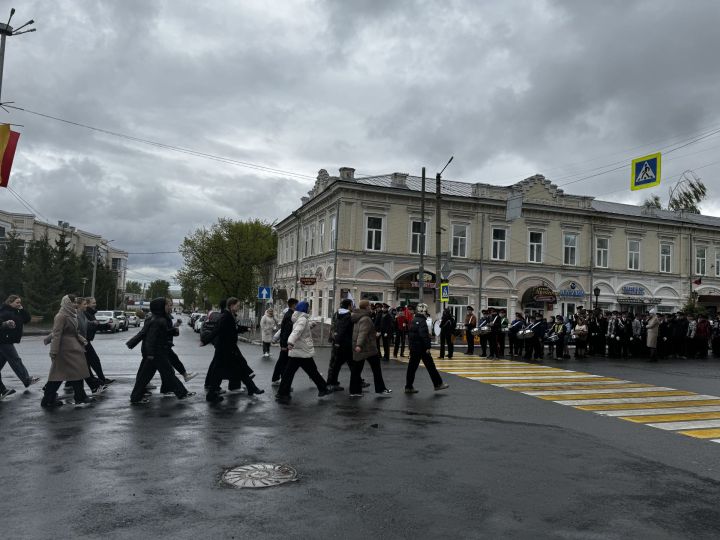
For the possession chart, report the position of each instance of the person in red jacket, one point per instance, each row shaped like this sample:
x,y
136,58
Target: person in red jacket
x,y
702,337
402,319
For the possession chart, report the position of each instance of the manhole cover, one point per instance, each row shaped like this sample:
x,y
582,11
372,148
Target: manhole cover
x,y
259,475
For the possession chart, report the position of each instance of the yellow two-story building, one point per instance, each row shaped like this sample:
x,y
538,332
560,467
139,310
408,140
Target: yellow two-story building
x,y
363,237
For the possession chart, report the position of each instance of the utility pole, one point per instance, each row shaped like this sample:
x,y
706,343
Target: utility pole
x,y
5,31
421,274
438,232
92,285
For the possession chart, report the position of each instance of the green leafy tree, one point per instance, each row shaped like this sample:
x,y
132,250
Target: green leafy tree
x,y
105,286
134,287
189,291
12,262
229,258
41,284
685,196
158,288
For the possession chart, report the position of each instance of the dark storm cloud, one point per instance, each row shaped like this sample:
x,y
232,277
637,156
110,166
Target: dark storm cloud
x,y
509,88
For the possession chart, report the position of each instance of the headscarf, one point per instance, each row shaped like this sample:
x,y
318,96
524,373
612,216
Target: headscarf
x,y
68,309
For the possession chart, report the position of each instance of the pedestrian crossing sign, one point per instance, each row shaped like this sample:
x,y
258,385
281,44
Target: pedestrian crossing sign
x,y
645,172
444,292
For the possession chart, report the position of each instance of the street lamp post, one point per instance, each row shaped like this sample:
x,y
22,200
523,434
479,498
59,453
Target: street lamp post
x,y
84,281
5,31
596,292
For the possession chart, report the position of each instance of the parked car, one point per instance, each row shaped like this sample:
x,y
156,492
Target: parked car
x,y
133,320
193,318
199,323
122,320
106,322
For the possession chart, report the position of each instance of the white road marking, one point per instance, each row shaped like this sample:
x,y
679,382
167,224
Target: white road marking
x,y
690,424
652,412
512,385
599,391
634,400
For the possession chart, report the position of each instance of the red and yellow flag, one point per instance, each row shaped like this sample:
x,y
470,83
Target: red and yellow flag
x,y
8,144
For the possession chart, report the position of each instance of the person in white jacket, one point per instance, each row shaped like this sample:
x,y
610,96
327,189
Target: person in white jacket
x,y
300,354
268,324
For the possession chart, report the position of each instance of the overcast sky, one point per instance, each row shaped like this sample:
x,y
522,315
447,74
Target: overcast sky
x,y
565,89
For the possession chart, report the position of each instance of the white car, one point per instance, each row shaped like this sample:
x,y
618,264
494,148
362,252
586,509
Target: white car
x,y
199,323
133,319
106,322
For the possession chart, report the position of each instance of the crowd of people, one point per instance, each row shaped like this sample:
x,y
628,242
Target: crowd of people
x,y
359,334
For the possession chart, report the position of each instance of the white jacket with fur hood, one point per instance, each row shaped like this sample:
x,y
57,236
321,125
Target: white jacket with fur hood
x,y
301,336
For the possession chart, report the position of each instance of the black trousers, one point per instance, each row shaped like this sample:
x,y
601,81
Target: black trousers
x,y
446,340
93,361
266,347
501,343
400,336
533,348
308,366
415,358
51,388
338,356
176,363
470,341
282,363
385,338
146,372
493,342
484,340
515,345
356,367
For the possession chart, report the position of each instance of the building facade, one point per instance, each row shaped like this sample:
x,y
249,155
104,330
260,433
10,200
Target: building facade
x,y
363,237
28,228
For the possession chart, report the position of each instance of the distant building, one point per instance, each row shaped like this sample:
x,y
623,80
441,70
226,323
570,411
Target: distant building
x,y
550,260
29,228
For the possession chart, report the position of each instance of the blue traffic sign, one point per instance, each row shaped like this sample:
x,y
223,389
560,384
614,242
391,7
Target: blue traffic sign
x,y
645,172
264,293
444,292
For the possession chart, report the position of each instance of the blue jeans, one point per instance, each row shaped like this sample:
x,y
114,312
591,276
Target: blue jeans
x,y
9,355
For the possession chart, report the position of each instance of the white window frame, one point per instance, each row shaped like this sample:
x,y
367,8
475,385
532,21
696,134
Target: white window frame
x,y
717,262
465,244
380,231
531,245
638,252
333,226
573,248
700,263
292,247
412,235
312,239
321,236
306,236
601,253
669,257
500,243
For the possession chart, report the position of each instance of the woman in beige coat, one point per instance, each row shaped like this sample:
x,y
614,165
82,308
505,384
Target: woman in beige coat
x,y
67,354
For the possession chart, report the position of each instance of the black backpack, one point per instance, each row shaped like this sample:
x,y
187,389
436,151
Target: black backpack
x,y
208,327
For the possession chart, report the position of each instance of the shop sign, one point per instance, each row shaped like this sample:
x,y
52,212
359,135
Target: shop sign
x,y
426,285
544,294
307,281
574,291
635,291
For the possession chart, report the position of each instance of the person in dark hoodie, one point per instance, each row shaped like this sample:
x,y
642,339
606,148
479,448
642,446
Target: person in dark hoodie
x,y
156,355
228,362
384,324
419,341
341,353
90,353
12,318
285,329
300,355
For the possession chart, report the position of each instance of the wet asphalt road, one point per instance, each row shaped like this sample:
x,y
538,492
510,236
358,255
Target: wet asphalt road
x,y
476,461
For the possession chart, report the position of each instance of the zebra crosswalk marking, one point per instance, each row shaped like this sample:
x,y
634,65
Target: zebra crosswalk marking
x,y
688,413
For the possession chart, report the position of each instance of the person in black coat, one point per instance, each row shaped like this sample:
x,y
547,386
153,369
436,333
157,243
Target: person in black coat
x,y
494,321
156,355
447,329
228,362
534,345
384,324
12,319
342,339
91,355
285,330
419,342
